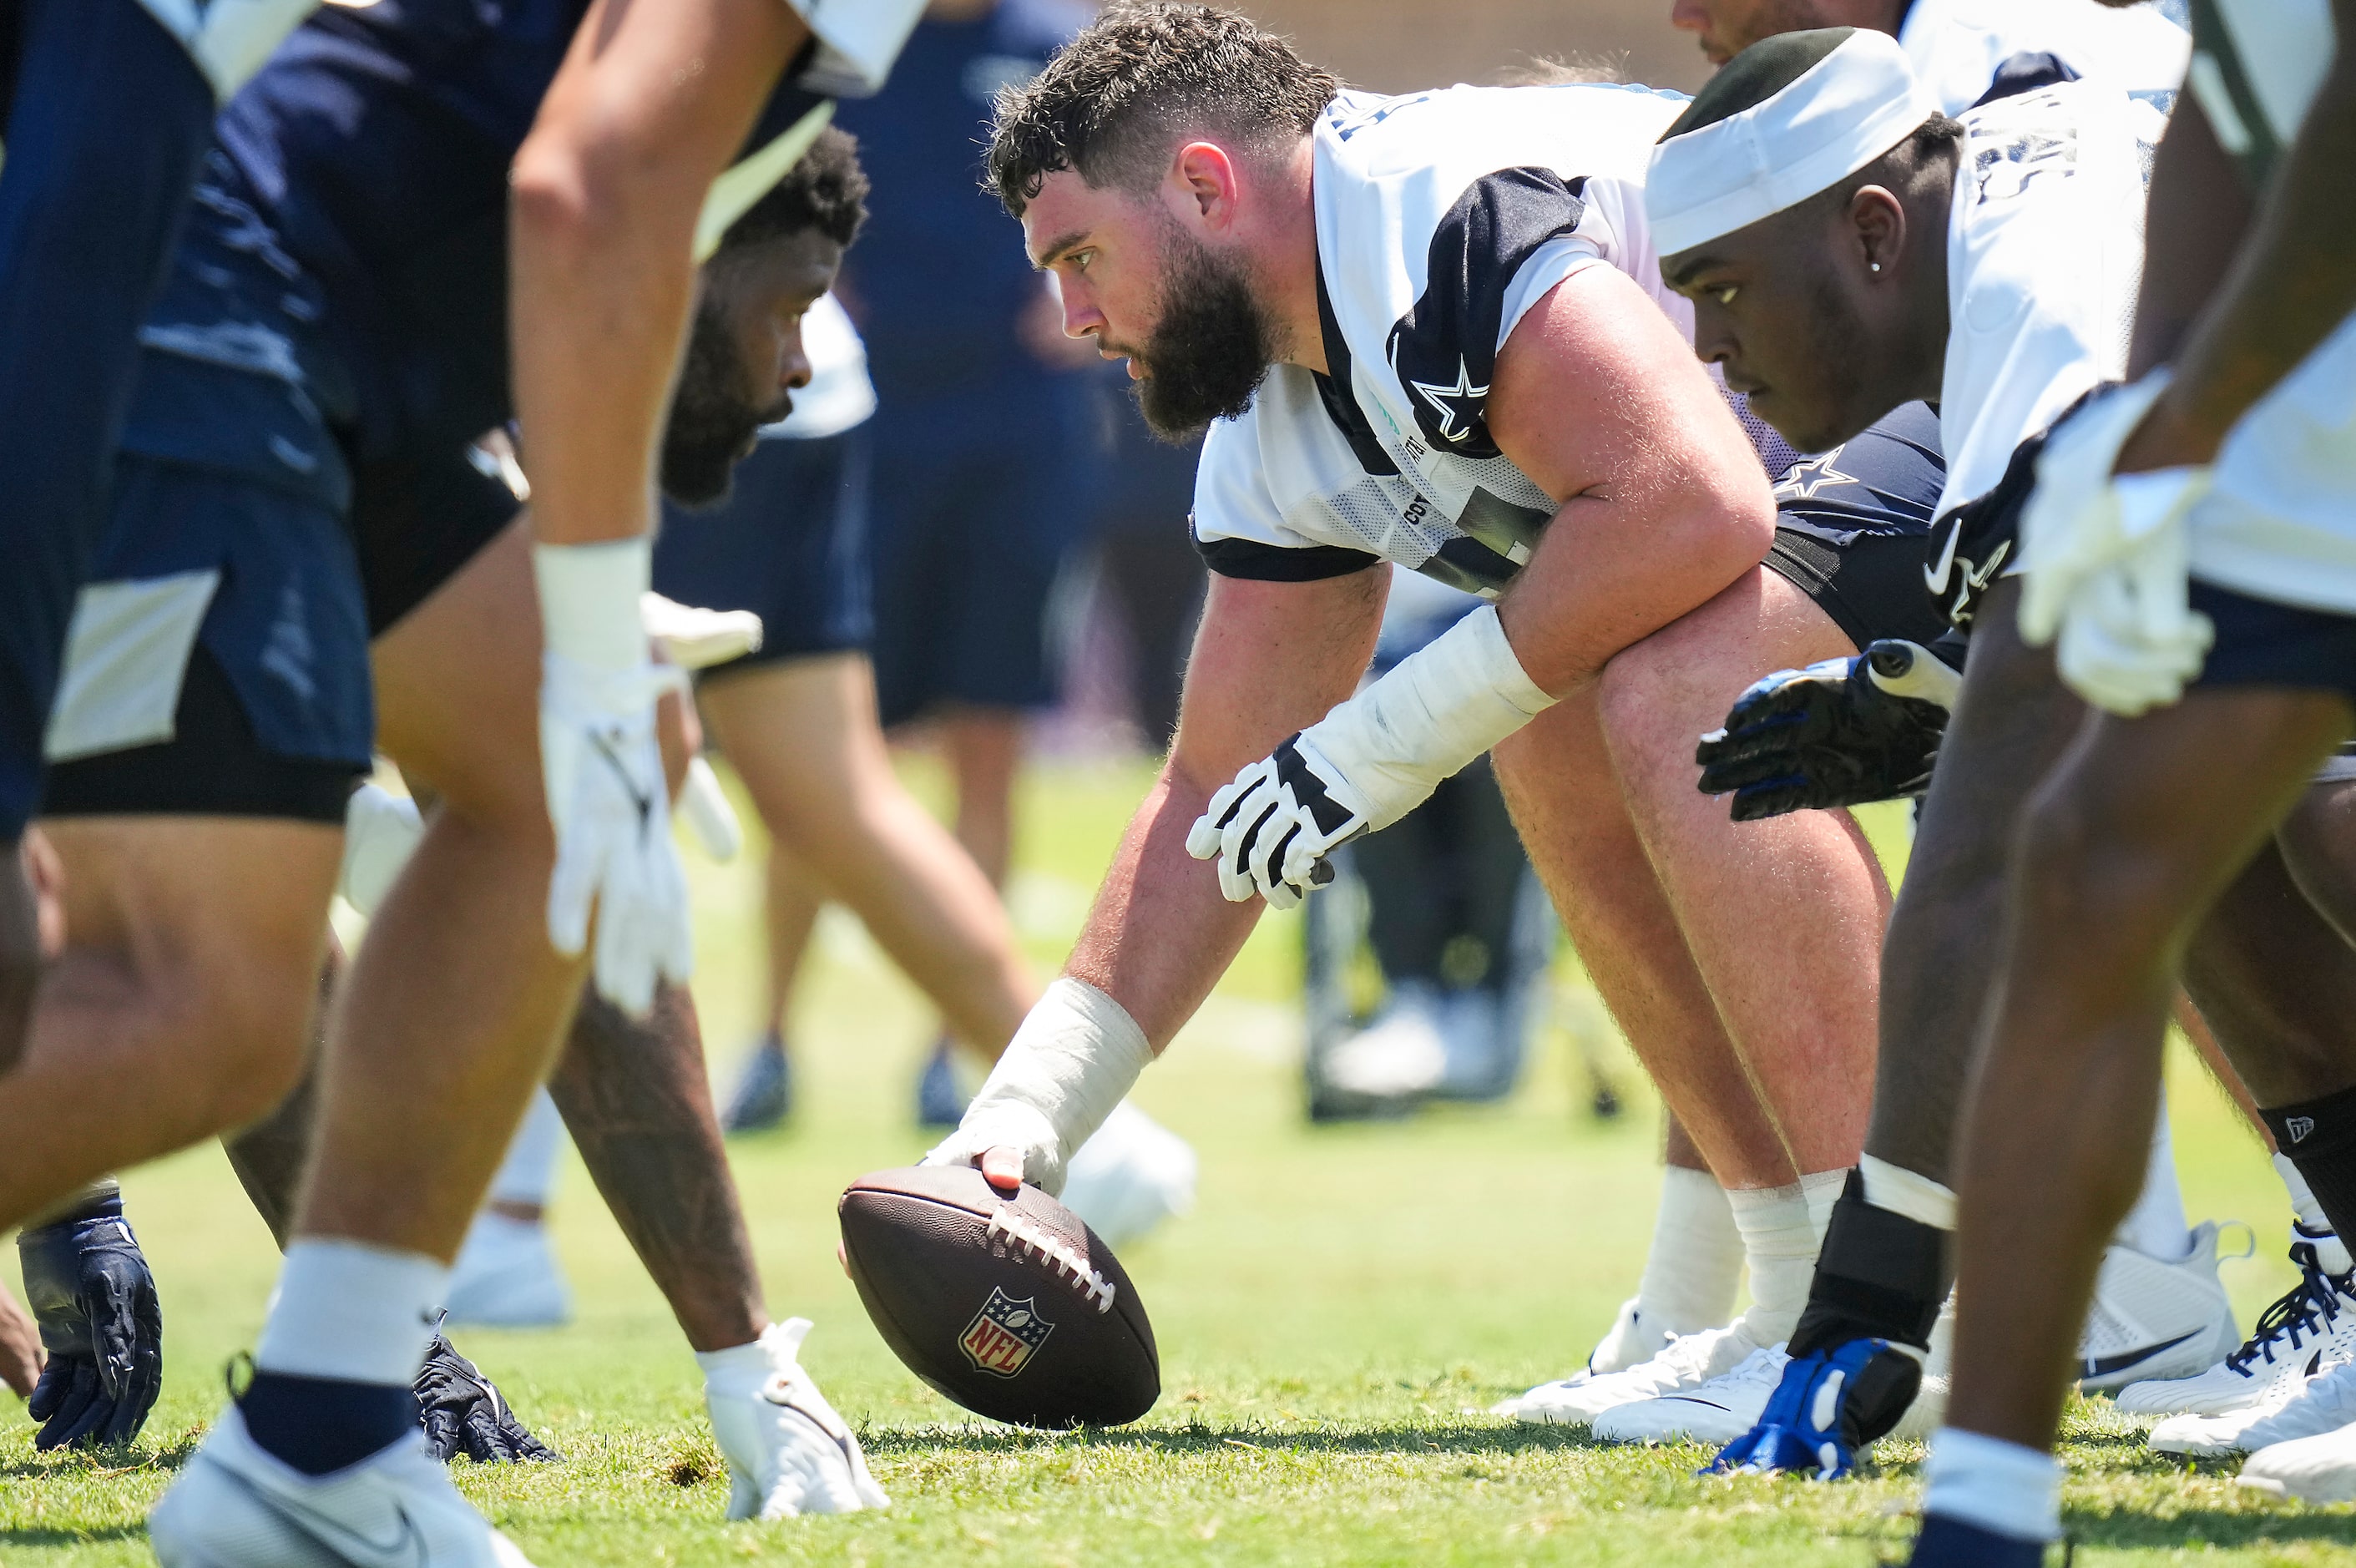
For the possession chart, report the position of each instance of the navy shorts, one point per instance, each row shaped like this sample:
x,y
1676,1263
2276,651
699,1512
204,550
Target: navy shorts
x,y
2262,642
789,543
978,505
1852,529
90,196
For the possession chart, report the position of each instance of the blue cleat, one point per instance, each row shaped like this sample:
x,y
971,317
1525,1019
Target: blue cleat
x,y
940,1102
764,1095
1830,1404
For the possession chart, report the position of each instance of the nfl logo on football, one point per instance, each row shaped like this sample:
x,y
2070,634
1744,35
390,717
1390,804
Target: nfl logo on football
x,y
1004,1334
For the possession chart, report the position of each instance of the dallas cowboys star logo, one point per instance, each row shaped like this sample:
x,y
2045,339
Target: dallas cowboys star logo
x,y
1811,475
1459,406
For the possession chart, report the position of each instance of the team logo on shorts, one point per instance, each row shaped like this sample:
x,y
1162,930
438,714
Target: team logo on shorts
x,y
1004,1334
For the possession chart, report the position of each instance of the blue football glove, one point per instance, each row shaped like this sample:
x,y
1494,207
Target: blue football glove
x,y
1841,733
1829,1406
93,1295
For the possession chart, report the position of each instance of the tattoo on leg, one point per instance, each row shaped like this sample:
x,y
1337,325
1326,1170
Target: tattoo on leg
x,y
636,1100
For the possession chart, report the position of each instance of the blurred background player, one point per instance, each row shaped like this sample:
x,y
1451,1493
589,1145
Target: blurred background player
x,y
986,455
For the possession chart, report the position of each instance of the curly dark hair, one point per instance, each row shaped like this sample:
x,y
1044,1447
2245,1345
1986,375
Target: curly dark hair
x,y
827,190
1114,101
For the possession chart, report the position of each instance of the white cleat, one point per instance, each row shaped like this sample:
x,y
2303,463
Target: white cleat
x,y
1689,1362
1629,1340
1130,1177
506,1276
2156,1320
1399,1055
788,1454
1718,1412
2319,1314
236,1505
2317,1469
2308,1401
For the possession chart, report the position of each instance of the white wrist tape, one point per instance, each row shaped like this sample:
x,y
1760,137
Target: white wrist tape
x,y
1442,706
1075,1057
589,601
857,42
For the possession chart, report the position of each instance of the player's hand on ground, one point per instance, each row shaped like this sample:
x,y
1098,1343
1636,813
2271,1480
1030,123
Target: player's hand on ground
x,y
1841,733
614,856
95,1302
1270,831
464,1416
20,1346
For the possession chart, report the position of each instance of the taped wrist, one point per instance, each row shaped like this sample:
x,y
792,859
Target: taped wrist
x,y
1076,1056
2318,1137
589,601
1443,705
1882,1275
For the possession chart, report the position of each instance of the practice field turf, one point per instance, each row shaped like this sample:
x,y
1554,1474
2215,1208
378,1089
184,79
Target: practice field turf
x,y
1334,1317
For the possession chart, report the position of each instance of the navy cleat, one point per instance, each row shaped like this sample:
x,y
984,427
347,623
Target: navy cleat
x,y
764,1095
940,1102
1829,1406
92,1293
1948,1542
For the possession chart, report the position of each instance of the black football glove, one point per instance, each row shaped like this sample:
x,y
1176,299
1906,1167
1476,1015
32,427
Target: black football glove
x,y
93,1295
464,1416
1842,733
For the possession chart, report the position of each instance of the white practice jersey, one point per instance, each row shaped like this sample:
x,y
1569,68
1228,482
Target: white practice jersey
x,y
2044,255
1956,46
1441,217
2280,522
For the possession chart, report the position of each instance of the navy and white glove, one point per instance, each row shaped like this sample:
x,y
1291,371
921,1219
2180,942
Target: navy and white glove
x,y
1271,829
1841,733
93,1295
1367,763
464,1416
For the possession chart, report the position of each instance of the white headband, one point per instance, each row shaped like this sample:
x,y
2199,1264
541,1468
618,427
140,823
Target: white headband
x,y
1843,111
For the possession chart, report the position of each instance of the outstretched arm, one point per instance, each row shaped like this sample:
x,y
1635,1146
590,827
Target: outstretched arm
x,y
1271,659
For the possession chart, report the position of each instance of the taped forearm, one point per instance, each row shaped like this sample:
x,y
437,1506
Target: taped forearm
x,y
1075,1056
1442,706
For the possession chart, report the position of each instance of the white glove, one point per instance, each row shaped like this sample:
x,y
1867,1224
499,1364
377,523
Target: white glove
x,y
2105,560
1367,763
1077,1055
696,638
229,39
604,775
789,1453
381,831
857,42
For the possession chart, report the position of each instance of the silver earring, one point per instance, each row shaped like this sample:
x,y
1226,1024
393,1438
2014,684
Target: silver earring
x,y
1875,265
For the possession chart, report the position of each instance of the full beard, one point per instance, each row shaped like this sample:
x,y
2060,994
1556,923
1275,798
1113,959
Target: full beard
x,y
713,425
1212,347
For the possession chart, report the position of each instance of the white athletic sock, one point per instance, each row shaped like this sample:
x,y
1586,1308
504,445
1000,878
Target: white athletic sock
x,y
357,1313
1695,1263
2314,1224
749,1359
2156,1226
1993,1484
1783,1229
529,1173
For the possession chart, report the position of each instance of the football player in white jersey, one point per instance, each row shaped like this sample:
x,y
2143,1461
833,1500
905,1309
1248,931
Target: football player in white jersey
x,y
1833,252
1429,331
1956,47
2191,555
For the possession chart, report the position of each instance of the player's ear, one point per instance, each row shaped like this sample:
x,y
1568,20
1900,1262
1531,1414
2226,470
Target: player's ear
x,y
1875,232
1206,181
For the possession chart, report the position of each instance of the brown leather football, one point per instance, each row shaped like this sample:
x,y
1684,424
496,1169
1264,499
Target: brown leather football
x,y
1010,1306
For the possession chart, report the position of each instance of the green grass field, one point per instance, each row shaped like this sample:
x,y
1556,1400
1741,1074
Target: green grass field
x,y
1333,1317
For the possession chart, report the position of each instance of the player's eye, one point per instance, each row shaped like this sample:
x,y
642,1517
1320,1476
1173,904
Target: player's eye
x,y
1724,293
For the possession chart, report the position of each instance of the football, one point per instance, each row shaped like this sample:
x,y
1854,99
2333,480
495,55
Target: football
x,y
1008,1306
